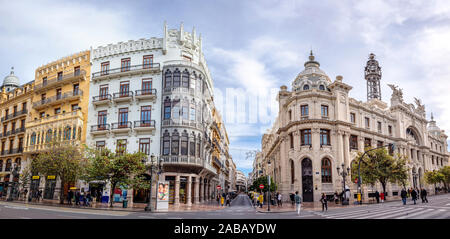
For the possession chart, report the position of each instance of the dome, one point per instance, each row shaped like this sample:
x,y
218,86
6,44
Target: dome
x,y
311,77
11,80
432,127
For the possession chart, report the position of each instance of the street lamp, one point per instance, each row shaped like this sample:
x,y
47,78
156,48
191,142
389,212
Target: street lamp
x,y
344,174
268,183
153,166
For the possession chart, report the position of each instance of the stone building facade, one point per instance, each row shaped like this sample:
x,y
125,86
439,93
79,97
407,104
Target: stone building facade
x,y
319,130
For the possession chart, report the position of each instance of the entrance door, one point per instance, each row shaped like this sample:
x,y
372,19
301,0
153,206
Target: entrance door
x,y
307,180
49,190
183,189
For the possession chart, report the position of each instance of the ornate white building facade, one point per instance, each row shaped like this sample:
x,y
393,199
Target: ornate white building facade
x,y
319,129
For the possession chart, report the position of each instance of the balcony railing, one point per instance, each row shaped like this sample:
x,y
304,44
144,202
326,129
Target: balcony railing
x,y
12,151
100,98
57,98
146,92
153,66
62,116
55,79
15,114
123,94
18,130
144,123
100,127
182,159
121,125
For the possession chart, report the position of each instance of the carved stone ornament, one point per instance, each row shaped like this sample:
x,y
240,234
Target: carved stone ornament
x,y
397,93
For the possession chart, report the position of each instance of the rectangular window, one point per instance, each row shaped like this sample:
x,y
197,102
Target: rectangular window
x,y
76,71
367,142
121,146
175,109
324,110
57,111
60,75
24,106
390,130
22,124
304,110
44,81
13,126
306,137
192,148
42,114
103,92
76,89
123,117
167,110
75,107
100,145
147,86
148,61
144,146
58,94
105,68
146,115
192,114
185,112
166,144
379,143
353,142
367,122
124,89
379,126
291,140
325,137
290,115
15,109
352,117
101,120
43,97
125,64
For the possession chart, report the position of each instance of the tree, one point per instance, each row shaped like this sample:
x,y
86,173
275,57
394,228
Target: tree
x,y
433,177
379,166
119,169
445,171
64,161
263,180
25,177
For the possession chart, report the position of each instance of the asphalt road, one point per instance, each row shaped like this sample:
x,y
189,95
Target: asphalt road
x,y
437,208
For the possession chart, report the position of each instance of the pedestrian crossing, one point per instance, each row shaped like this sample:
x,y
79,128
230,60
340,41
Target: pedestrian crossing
x,y
389,212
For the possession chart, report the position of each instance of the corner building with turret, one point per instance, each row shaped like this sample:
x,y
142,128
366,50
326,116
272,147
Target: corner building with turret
x,y
319,130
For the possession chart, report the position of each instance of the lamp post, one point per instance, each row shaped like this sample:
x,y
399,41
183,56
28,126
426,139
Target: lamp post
x,y
153,166
268,183
344,174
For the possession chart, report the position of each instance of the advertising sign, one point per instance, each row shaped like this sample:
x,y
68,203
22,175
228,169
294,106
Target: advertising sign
x,y
162,197
51,177
35,177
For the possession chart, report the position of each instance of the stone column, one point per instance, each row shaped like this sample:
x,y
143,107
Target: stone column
x,y
201,195
340,148
346,150
197,190
189,191
177,190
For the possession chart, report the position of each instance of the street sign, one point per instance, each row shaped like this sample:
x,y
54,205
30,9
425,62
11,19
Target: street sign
x,y
218,187
261,186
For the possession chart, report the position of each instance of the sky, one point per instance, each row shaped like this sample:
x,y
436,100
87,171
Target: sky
x,y
252,47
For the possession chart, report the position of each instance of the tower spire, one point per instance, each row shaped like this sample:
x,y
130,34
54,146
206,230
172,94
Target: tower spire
x,y
372,74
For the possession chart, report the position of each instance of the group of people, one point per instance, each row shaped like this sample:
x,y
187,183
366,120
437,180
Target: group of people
x,y
225,198
80,197
276,199
414,193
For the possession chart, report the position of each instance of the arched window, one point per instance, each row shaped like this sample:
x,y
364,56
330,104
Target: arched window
x,y
185,79
8,165
175,143
176,78
184,143
74,133
166,143
33,139
67,132
326,170
306,87
48,137
321,87
411,135
292,172
176,109
168,79
167,108
192,145
198,145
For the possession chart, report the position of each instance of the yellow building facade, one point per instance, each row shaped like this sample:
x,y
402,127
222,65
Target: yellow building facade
x,y
59,109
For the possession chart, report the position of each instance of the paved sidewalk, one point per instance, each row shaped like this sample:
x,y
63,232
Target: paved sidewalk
x,y
137,207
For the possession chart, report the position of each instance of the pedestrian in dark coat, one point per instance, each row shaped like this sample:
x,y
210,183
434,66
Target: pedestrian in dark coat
x,y
414,196
292,196
404,195
424,195
77,198
324,202
377,196
69,197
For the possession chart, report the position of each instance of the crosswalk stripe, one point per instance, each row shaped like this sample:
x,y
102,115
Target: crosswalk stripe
x,y
401,213
359,216
414,214
427,215
358,212
393,213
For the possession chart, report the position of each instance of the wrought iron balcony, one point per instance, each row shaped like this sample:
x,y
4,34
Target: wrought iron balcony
x,y
55,81
143,125
12,151
57,99
101,99
121,126
123,96
145,94
100,129
14,115
126,70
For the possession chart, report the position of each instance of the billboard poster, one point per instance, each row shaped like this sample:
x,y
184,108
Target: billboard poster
x,y
162,197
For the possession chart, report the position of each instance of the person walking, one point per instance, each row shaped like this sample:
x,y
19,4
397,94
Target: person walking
x,y
261,200
222,199
382,197
77,198
424,195
88,199
69,197
280,203
292,196
336,198
377,196
324,202
298,202
403,195
39,195
228,200
414,196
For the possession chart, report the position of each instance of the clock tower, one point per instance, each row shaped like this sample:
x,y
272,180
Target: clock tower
x,y
372,73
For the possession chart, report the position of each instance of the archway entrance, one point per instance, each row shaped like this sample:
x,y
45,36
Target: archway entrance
x,y
307,180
